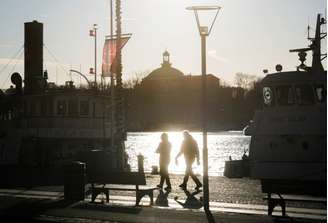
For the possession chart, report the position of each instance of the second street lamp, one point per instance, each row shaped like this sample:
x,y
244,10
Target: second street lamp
x,y
82,75
204,32
93,32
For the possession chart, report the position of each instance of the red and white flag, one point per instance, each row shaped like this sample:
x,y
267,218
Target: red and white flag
x,y
109,55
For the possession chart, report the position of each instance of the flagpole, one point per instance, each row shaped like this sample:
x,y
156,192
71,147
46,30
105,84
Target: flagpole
x,y
119,106
112,93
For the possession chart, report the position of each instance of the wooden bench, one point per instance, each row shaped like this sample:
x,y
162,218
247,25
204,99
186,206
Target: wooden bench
x,y
124,181
280,199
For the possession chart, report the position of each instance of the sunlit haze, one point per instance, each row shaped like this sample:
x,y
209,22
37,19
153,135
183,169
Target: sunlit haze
x,y
248,36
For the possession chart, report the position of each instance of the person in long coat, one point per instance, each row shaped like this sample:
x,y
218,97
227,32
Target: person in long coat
x,y
189,149
164,150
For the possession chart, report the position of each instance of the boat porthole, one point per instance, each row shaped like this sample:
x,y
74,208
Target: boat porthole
x,y
267,95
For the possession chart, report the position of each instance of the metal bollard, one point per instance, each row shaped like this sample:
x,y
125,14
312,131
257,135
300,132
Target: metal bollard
x,y
154,170
140,163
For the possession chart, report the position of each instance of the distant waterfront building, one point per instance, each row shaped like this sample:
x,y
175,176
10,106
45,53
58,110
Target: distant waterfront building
x,y
166,98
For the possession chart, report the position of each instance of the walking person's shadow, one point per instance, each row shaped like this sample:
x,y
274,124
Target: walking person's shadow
x,y
191,201
161,199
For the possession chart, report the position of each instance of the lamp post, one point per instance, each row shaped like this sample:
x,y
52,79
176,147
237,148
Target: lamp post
x,y
204,32
93,32
82,75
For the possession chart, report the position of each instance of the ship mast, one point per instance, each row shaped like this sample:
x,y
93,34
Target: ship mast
x,y
315,47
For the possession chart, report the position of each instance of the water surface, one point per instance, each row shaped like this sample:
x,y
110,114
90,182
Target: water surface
x,y
221,145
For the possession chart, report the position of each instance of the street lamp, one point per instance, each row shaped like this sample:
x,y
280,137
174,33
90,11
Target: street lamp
x,y
93,32
204,32
82,75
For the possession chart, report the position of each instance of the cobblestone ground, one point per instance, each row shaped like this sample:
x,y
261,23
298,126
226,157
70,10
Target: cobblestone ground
x,y
222,189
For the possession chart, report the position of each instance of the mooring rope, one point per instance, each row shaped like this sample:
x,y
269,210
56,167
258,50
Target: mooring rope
x,y
17,55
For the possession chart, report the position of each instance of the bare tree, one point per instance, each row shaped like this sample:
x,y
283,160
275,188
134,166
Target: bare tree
x,y
135,79
224,83
245,81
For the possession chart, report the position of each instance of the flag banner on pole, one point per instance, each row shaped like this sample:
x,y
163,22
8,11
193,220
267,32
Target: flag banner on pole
x,y
109,55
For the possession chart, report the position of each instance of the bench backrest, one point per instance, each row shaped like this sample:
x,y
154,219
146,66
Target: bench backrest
x,y
128,178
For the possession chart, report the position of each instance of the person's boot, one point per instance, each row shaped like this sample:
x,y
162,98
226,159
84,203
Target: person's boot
x,y
183,186
168,188
198,186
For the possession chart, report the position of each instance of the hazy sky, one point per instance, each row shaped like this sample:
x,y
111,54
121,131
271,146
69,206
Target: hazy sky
x,y
248,36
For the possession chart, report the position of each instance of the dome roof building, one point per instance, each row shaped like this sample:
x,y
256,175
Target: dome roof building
x,y
166,71
167,98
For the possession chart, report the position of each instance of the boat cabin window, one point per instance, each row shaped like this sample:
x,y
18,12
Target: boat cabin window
x,y
25,108
304,94
84,108
61,107
94,110
72,107
33,108
285,95
50,106
320,93
43,106
2,152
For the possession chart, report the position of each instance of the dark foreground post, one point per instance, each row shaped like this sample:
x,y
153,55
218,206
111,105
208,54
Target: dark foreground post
x,y
204,31
204,123
74,181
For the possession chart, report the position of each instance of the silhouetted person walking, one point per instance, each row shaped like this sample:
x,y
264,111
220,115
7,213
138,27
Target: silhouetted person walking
x,y
164,150
189,149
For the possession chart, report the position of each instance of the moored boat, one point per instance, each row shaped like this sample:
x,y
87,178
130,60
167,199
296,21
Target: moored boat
x,y
288,149
44,125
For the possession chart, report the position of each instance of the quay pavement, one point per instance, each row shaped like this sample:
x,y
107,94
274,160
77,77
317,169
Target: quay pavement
x,y
232,200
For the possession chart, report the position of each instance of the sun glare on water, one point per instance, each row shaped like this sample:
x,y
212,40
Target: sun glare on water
x,y
220,146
